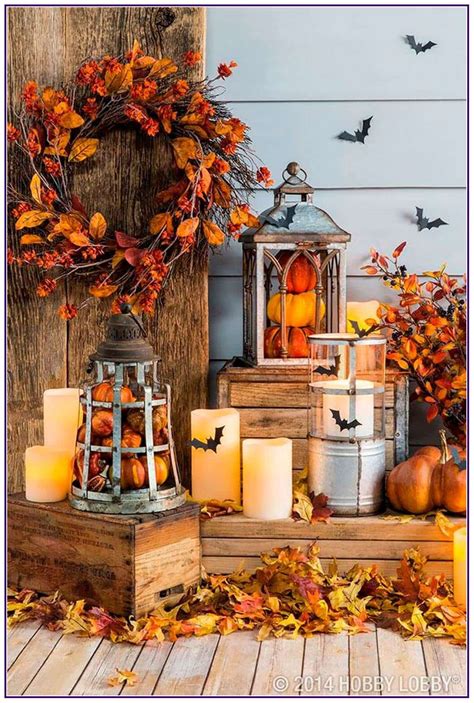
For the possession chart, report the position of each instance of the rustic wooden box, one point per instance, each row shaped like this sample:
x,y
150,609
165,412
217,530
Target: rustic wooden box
x,y
127,564
272,402
234,541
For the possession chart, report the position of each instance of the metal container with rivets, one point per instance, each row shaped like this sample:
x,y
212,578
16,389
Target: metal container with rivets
x,y
125,380
346,439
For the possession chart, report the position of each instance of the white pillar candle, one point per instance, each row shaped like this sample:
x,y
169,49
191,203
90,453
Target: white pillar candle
x,y
216,473
364,408
360,312
48,474
62,415
267,478
459,565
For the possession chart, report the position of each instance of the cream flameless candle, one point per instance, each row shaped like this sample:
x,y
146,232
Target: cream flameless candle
x,y
360,312
48,474
459,565
216,474
62,417
364,408
267,478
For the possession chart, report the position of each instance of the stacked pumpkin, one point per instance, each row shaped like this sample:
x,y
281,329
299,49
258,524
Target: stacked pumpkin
x,y
300,309
431,479
134,470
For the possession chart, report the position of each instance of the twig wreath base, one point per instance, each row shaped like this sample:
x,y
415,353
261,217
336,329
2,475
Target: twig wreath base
x,y
213,164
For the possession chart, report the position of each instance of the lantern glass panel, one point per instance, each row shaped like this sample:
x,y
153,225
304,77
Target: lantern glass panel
x,y
347,386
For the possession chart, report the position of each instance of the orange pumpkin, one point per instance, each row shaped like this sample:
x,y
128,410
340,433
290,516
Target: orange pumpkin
x,y
96,465
104,392
449,479
297,342
300,309
429,479
409,483
162,468
129,438
301,276
103,423
132,474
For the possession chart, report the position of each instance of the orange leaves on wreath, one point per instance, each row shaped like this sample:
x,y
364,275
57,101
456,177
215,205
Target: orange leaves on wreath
x,y
119,81
102,290
35,189
184,149
160,222
187,227
97,226
214,235
83,148
32,218
31,239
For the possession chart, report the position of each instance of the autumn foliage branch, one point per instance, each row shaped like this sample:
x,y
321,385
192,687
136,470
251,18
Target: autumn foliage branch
x,y
213,164
427,335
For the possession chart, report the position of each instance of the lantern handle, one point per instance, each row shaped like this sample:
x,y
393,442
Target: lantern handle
x,y
126,309
293,169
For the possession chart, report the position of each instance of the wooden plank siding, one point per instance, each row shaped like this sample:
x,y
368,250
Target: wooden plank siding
x,y
296,101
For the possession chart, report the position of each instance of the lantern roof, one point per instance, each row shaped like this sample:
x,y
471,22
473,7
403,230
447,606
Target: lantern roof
x,y
288,220
125,342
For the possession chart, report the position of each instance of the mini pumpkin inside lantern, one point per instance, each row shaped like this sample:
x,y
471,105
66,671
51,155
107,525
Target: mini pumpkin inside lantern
x,y
294,275
125,460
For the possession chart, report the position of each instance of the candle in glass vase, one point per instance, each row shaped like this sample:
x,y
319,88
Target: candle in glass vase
x,y
215,466
359,313
267,478
48,474
62,415
459,565
333,403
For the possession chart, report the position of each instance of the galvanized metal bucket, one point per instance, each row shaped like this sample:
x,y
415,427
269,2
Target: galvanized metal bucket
x,y
351,474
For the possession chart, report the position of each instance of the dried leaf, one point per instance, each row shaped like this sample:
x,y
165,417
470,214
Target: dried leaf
x,y
214,235
161,68
125,240
129,678
32,218
118,257
187,227
133,255
31,239
71,120
97,226
396,252
159,222
103,291
83,148
120,81
184,149
35,189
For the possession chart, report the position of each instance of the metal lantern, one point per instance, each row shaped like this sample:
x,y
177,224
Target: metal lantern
x,y
346,442
294,275
125,460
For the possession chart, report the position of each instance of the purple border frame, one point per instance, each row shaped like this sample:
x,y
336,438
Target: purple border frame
x,y
59,5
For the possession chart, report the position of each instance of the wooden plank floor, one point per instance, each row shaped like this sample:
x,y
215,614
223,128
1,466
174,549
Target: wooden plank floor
x,y
44,663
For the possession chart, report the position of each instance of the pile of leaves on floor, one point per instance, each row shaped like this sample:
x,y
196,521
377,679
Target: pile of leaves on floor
x,y
288,596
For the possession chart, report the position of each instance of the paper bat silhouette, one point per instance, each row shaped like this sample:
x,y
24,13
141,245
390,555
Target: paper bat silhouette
x,y
418,46
332,370
425,223
211,443
361,332
344,424
359,135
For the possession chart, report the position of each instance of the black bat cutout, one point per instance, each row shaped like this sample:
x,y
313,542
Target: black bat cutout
x,y
418,46
344,424
360,332
333,370
359,135
425,223
211,443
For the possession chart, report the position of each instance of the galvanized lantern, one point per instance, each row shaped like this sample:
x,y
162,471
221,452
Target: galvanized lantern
x,y
346,441
125,460
294,275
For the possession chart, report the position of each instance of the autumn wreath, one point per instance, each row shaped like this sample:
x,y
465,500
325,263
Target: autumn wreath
x,y
213,165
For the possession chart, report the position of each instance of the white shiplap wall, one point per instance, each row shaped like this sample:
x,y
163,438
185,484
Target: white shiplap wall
x,y
307,73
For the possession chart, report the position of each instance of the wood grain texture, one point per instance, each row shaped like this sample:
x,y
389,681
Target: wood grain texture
x,y
108,657
27,664
447,664
401,664
127,565
126,172
187,667
326,662
234,664
278,658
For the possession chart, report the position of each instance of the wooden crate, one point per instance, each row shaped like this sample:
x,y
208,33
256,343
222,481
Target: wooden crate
x,y
233,541
272,402
127,564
